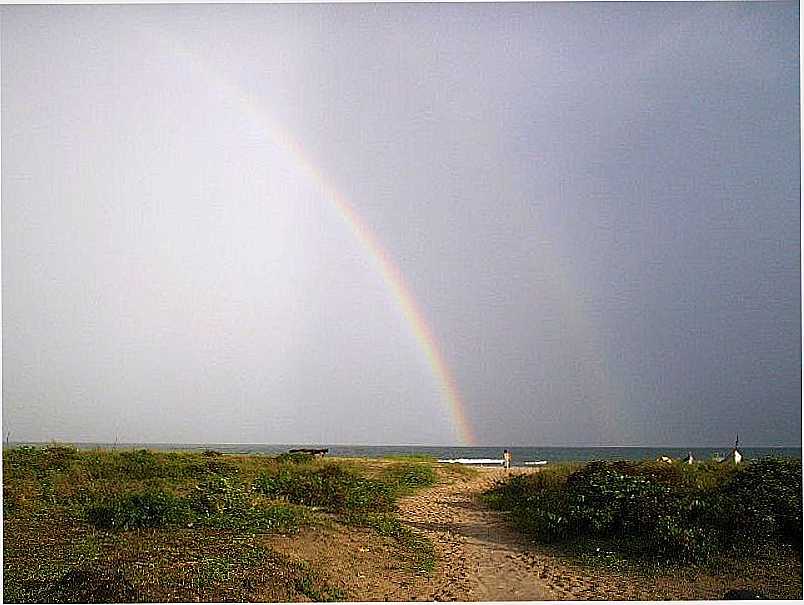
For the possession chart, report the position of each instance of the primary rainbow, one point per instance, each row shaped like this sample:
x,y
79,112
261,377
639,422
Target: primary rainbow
x,y
382,261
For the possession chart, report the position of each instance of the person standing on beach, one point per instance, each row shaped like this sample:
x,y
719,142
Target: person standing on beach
x,y
507,459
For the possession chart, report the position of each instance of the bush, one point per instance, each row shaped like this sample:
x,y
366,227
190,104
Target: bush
x,y
226,503
614,498
258,518
547,525
332,487
25,460
140,464
11,501
145,465
154,508
295,458
405,476
365,494
765,500
691,543
60,457
219,495
661,510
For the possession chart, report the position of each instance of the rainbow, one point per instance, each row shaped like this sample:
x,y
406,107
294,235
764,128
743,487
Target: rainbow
x,y
368,241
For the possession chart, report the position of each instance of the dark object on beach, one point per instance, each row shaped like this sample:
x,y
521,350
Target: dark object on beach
x,y
311,451
741,594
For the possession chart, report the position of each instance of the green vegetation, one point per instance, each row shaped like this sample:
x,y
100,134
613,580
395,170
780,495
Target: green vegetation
x,y
295,458
101,526
333,487
659,511
419,549
228,504
154,508
183,566
410,457
406,476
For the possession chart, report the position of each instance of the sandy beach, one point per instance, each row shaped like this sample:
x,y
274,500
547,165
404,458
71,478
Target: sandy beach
x,y
481,558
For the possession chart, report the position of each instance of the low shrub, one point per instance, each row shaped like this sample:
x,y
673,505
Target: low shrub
x,y
669,511
146,465
140,465
765,501
60,457
218,495
295,458
613,498
153,508
24,461
38,461
11,500
225,503
410,457
672,540
259,518
404,476
331,487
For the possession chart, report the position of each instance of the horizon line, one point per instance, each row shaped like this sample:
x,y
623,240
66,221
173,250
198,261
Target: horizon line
x,y
119,443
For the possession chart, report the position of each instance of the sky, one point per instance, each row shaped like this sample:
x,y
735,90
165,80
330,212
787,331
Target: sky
x,y
534,224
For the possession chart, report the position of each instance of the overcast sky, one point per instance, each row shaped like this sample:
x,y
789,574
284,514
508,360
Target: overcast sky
x,y
595,206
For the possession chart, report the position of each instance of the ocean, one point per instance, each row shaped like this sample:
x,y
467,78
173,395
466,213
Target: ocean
x,y
520,454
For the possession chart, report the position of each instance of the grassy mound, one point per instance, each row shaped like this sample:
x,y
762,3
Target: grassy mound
x,y
332,487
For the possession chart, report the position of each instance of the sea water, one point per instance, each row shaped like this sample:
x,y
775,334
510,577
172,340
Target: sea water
x,y
520,454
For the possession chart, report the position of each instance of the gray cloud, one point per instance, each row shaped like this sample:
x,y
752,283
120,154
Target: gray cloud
x,y
596,207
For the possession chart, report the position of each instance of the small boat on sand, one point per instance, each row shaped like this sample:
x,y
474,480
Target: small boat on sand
x,y
535,463
472,461
308,450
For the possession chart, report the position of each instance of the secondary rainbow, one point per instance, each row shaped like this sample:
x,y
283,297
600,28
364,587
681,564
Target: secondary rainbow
x,y
382,261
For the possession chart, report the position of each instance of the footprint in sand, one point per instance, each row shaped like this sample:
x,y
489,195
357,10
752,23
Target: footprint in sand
x,y
475,545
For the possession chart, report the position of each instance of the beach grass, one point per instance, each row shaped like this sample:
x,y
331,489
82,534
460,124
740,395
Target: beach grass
x,y
403,477
98,525
418,549
410,457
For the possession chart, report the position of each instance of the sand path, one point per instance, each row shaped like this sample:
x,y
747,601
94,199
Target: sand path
x,y
479,557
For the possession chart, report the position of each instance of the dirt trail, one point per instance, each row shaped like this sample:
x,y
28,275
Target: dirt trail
x,y
479,557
